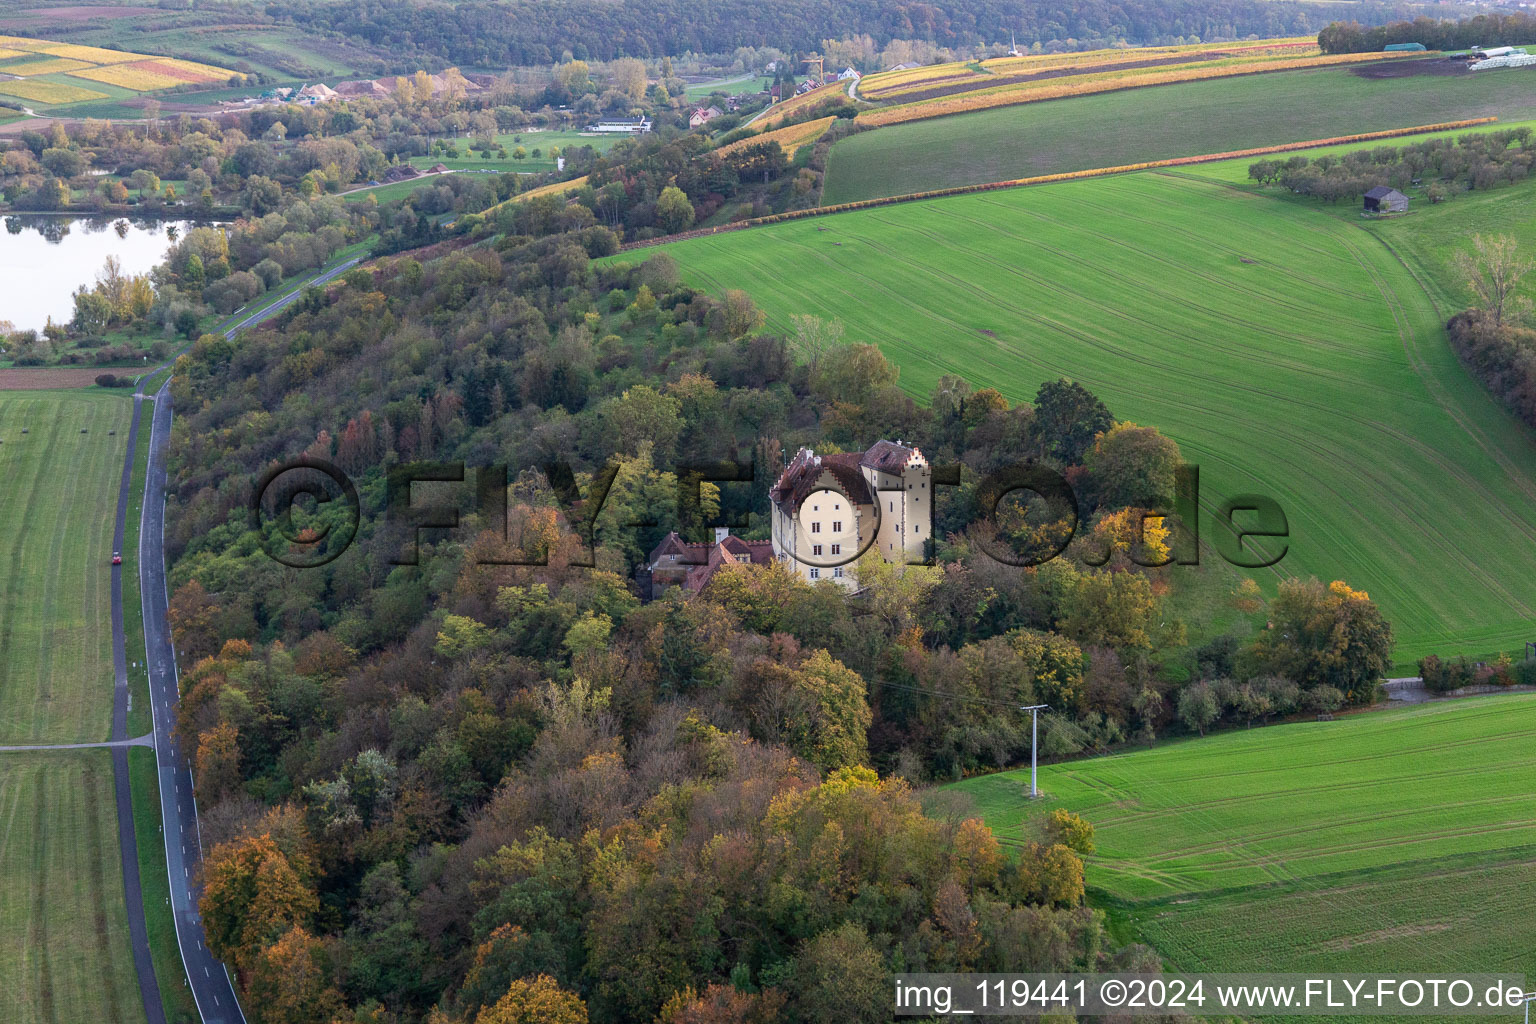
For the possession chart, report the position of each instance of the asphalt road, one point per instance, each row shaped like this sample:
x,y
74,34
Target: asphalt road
x,y
127,839
212,988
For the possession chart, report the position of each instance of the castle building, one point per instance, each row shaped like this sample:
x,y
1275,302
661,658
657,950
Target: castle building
x,y
828,510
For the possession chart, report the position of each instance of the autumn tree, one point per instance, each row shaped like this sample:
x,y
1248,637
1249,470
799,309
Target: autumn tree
x,y
252,895
1132,465
1070,830
723,1004
1116,609
1325,636
832,716
673,210
628,76
840,976
193,615
1493,270
852,373
538,1000
1047,874
290,982
217,762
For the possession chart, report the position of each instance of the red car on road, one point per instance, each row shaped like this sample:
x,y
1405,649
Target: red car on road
x,y
117,559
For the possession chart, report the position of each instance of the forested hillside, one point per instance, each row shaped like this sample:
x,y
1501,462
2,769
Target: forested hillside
x,y
537,32
466,790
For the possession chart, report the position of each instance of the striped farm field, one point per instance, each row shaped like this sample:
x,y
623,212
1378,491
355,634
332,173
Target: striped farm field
x,y
832,93
90,54
1400,841
72,68
59,505
552,189
1288,351
187,70
1141,125
47,66
790,138
902,86
48,92
128,76
882,84
1095,81
64,951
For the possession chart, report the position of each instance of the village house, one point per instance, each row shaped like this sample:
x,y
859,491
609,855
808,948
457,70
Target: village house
x,y
828,509
679,563
849,75
703,115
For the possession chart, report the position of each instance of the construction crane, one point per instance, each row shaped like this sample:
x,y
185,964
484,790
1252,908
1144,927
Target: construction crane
x,y
820,74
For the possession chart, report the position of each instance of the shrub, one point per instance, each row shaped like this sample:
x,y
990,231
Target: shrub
x,y
1323,699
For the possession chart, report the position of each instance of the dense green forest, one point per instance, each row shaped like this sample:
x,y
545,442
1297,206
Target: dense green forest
x,y
539,32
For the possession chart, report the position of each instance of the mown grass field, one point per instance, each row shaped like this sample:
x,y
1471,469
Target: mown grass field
x,y
1287,351
64,953
1395,841
733,85
1156,124
58,506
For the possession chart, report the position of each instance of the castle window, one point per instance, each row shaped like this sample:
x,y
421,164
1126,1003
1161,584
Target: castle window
x,y
837,549
838,572
837,526
815,527
816,549
815,574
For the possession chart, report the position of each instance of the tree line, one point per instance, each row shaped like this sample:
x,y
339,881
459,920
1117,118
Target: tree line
x,y
1473,162
1510,29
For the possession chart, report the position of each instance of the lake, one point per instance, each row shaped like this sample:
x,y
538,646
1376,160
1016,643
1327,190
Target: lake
x,y
44,258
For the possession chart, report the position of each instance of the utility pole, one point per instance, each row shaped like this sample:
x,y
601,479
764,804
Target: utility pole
x,y
1529,997
1034,747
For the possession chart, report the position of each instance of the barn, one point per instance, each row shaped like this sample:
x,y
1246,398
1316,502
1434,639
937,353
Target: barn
x,y
1385,200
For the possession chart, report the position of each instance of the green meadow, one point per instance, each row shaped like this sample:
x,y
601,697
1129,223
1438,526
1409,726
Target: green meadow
x,y
64,953
58,503
1289,352
1157,123
1397,841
